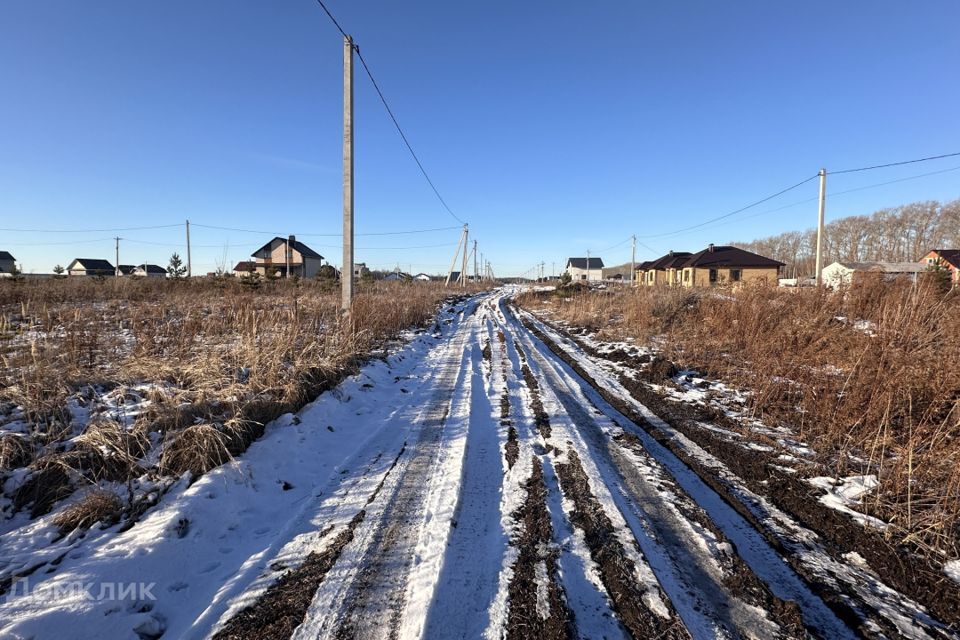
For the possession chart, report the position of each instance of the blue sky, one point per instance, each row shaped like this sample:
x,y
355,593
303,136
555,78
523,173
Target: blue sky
x,y
552,127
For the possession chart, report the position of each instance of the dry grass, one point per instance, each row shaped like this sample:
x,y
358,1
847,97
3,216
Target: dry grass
x,y
96,506
218,360
197,449
868,376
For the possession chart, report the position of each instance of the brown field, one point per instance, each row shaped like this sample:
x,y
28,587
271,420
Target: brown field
x,y
108,380
868,377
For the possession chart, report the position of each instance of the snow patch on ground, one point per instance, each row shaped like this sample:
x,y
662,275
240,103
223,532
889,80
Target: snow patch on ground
x,y
952,569
844,494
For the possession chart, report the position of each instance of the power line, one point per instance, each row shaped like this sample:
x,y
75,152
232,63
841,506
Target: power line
x,y
844,192
396,124
897,164
619,244
332,19
404,136
314,235
50,244
733,213
162,226
883,184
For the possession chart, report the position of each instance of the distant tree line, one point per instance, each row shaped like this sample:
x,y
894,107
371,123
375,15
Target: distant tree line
x,y
900,234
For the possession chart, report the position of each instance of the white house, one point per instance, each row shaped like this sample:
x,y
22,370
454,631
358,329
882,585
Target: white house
x,y
422,277
843,274
582,269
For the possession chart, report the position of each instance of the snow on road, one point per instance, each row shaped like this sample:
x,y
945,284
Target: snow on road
x,y
470,485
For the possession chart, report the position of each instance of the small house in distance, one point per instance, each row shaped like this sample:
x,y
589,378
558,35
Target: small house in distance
x,y
276,254
90,267
719,265
149,271
245,268
140,271
663,270
844,274
590,269
360,270
7,263
422,277
946,258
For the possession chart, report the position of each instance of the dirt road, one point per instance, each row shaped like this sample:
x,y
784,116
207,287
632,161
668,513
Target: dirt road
x,y
489,478
499,494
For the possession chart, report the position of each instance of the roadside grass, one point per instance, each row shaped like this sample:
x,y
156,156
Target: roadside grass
x,y
113,383
868,376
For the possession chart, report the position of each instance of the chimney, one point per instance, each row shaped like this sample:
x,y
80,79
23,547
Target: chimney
x,y
710,248
671,253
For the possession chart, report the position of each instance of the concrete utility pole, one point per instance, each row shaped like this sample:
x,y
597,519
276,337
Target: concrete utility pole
x,y
463,266
633,261
346,274
189,260
116,268
820,239
476,273
453,263
588,266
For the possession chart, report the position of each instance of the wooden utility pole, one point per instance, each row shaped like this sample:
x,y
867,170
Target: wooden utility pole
x,y
346,274
820,238
463,266
116,268
189,259
633,261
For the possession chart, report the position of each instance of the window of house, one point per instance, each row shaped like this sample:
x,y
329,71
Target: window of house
x,y
713,275
686,275
735,275
583,276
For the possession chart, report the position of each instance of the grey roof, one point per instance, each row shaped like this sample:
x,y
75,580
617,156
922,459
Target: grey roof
x,y
296,244
127,269
153,268
581,263
725,256
94,264
5,255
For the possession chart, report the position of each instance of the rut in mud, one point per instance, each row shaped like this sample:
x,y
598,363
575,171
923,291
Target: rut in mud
x,y
538,608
